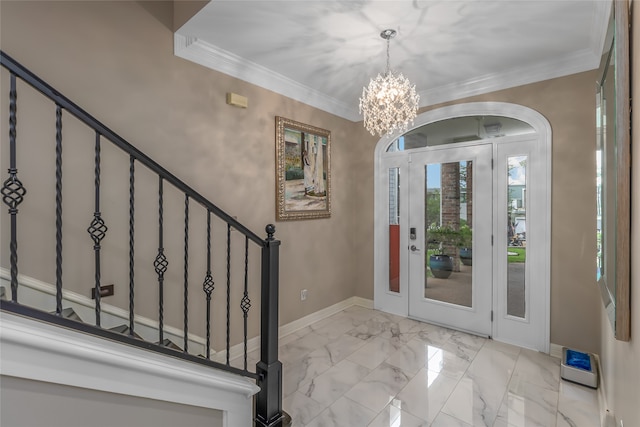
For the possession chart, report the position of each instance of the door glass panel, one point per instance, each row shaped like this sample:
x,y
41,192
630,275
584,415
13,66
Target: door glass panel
x,y
394,230
448,232
516,235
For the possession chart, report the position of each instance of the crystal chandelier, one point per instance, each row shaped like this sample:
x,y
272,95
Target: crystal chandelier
x,y
390,102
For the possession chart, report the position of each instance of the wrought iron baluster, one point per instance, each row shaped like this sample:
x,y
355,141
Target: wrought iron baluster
x,y
208,286
160,263
132,177
13,191
228,290
58,210
245,304
97,229
186,273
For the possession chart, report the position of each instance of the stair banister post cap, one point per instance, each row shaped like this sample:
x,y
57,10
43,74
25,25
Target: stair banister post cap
x,y
270,229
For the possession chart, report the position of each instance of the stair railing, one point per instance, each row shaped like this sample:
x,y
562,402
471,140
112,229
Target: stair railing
x,y
268,372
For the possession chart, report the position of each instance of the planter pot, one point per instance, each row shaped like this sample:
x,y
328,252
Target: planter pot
x,y
441,266
465,256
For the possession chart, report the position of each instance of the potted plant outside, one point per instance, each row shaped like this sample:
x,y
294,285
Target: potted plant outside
x,y
465,245
441,239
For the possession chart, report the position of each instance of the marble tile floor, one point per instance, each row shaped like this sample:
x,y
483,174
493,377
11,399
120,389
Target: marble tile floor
x,y
362,367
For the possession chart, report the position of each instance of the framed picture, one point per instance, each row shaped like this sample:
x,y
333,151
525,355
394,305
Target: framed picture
x,y
613,174
303,172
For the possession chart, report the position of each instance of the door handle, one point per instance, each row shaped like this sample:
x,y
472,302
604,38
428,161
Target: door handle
x,y
414,248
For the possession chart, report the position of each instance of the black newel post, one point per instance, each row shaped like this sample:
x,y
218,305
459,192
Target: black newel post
x,y
269,398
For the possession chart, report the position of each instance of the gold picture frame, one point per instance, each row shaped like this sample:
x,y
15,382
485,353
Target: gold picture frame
x,y
303,171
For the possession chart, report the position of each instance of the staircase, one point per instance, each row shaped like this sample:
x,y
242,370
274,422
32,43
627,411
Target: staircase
x,y
201,238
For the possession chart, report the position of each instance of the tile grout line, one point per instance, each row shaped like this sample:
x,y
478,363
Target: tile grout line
x,y
381,324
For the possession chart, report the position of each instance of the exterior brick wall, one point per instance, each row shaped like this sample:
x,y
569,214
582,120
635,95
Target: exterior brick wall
x,y
450,209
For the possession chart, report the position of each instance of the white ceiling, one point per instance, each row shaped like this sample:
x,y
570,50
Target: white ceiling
x,y
323,52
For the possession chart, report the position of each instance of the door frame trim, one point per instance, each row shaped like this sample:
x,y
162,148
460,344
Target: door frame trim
x,y
528,115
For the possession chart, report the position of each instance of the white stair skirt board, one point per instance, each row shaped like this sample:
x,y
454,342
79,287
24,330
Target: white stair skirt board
x,y
43,352
37,294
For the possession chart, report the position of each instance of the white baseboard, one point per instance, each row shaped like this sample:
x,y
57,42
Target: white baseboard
x,y
607,419
363,302
555,350
305,321
291,327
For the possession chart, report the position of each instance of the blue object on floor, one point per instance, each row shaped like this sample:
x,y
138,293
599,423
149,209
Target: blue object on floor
x,y
579,360
579,367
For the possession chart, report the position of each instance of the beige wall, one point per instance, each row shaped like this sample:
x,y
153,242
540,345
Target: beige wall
x,y
183,10
115,59
66,406
568,104
621,360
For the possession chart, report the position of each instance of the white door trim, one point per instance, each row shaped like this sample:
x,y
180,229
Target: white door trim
x,y
525,331
381,161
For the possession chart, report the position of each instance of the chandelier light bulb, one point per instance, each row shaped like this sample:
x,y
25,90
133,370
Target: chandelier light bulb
x,y
390,102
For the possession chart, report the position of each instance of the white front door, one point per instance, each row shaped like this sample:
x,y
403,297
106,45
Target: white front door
x,y
498,202
450,224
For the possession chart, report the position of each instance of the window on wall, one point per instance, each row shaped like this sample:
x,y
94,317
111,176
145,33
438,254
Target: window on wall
x,y
394,230
460,129
516,235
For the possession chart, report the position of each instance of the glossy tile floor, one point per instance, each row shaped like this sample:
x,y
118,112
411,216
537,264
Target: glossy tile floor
x,y
362,367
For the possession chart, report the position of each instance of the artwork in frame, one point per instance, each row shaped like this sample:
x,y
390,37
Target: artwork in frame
x,y
303,171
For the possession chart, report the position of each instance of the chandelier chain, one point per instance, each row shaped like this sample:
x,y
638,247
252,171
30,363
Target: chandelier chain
x,y
388,56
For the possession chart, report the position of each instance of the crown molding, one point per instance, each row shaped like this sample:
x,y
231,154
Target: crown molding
x,y
210,56
581,61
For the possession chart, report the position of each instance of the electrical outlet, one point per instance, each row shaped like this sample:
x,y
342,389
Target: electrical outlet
x,y
105,291
303,294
